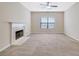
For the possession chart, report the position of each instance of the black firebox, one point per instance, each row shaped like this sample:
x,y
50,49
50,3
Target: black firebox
x,y
19,34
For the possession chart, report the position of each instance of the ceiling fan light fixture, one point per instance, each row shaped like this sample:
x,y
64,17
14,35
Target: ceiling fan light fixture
x,y
48,7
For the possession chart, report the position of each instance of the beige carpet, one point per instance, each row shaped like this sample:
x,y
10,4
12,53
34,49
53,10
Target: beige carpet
x,y
45,45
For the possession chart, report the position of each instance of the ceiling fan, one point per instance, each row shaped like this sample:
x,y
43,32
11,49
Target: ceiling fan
x,y
49,5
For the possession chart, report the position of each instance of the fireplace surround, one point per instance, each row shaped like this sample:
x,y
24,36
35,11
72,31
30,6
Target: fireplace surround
x,y
17,33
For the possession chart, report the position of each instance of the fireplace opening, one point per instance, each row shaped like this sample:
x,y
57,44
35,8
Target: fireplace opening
x,y
19,34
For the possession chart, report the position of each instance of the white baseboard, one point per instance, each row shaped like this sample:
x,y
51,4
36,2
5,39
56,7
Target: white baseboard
x,y
48,33
71,36
5,47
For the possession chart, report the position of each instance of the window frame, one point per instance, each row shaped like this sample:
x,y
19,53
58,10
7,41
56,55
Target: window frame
x,y
48,17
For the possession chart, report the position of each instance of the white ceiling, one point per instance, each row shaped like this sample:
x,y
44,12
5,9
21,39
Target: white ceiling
x,y
35,6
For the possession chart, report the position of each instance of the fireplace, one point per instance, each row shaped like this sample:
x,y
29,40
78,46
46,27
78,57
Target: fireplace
x,y
19,34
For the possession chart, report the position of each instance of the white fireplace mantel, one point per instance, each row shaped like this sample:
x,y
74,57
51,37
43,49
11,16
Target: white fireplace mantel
x,y
16,26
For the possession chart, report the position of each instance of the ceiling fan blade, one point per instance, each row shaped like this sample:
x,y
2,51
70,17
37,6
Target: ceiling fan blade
x,y
46,4
43,4
53,6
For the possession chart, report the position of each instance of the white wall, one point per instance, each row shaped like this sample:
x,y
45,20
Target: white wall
x,y
12,12
71,22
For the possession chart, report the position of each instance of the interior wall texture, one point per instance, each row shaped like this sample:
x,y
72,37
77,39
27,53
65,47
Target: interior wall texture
x,y
71,22
12,11
59,24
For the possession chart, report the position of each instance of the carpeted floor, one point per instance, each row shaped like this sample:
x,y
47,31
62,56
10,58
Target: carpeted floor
x,y
45,45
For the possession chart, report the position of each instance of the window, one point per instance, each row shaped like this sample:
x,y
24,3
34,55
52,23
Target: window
x,y
44,22
51,22
47,22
